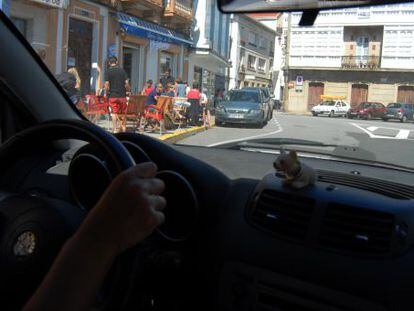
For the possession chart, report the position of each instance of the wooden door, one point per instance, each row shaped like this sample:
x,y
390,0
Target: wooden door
x,y
359,94
315,91
405,94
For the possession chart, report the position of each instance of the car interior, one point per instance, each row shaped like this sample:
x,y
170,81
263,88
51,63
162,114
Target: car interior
x,y
234,238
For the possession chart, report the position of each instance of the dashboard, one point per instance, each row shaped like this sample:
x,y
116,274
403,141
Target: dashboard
x,y
344,244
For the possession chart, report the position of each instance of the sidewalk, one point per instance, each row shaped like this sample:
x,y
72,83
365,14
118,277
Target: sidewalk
x,y
171,136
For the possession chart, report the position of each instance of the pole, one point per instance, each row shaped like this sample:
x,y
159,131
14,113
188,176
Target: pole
x,y
286,69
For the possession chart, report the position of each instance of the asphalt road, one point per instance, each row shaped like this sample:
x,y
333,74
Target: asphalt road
x,y
390,142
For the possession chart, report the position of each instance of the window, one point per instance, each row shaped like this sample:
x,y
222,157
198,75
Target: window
x,y
261,65
252,38
251,62
262,43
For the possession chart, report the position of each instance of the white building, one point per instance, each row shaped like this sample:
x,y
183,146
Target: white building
x,y
275,22
209,61
363,54
251,53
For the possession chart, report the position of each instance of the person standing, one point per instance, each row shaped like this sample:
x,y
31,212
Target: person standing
x,y
167,78
194,99
117,85
180,89
70,82
205,104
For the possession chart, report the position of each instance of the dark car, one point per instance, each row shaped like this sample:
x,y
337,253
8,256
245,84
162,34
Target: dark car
x,y
268,99
246,106
399,111
367,110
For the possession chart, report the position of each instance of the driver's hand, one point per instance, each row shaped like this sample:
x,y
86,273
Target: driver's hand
x,y
128,211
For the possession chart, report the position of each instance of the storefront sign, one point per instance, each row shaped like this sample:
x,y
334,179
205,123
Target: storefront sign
x,y
299,80
54,3
250,77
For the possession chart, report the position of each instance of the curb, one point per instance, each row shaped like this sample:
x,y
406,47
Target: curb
x,y
181,134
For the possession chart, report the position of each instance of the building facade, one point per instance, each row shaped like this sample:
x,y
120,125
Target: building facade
x,y
362,54
252,53
143,34
209,60
274,21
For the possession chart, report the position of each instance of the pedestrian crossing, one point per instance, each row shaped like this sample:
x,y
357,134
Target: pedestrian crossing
x,y
386,132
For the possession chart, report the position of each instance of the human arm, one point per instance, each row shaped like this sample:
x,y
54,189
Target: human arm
x,y
129,210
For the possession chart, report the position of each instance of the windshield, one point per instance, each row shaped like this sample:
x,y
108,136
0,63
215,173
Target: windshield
x,y
242,96
120,61
394,105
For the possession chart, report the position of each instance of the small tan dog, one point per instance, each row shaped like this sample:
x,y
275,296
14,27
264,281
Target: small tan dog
x,y
298,175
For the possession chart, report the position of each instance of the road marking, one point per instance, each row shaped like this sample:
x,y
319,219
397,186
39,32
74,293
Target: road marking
x,y
372,128
249,137
403,134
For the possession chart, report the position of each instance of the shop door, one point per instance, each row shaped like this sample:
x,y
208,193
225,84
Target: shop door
x,y
80,51
316,89
131,67
359,94
167,61
405,94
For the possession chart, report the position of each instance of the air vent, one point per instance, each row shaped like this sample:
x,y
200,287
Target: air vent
x,y
389,189
283,214
356,230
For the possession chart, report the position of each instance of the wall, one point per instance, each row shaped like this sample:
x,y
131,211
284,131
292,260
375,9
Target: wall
x,y
383,93
298,101
336,89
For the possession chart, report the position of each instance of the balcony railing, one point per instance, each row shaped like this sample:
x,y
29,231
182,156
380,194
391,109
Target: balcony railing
x,y
157,4
361,62
182,8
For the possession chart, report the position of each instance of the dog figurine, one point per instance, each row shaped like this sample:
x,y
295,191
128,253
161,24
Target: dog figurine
x,y
298,175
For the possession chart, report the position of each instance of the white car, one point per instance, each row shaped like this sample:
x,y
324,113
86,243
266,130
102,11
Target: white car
x,y
331,108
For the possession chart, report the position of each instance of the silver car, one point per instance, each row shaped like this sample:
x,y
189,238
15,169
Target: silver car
x,y
243,107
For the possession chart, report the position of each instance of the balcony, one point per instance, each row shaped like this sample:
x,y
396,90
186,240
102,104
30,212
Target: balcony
x,y
178,11
150,10
361,62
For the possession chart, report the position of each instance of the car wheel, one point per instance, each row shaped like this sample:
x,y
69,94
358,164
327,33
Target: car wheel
x,y
219,123
331,114
384,119
403,119
314,114
349,116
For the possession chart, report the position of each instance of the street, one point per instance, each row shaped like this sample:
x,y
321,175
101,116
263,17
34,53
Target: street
x,y
389,142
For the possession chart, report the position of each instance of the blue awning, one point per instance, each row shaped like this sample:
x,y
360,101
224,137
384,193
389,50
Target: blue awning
x,y
137,27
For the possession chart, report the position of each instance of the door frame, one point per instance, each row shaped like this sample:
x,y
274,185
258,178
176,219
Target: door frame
x,y
140,61
94,50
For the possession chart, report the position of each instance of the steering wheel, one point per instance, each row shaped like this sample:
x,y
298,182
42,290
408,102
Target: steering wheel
x,y
33,228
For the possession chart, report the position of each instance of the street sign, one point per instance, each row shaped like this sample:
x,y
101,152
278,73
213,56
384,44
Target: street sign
x,y
299,80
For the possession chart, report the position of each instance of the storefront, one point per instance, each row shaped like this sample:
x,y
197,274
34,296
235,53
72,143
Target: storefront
x,y
147,50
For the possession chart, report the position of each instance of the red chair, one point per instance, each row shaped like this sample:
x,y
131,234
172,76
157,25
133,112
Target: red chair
x,y
154,114
96,107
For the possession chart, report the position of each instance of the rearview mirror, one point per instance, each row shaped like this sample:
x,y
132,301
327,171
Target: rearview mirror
x,y
246,6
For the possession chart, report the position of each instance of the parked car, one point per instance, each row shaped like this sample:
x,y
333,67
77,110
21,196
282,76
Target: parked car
x,y
399,111
267,97
331,108
367,110
245,106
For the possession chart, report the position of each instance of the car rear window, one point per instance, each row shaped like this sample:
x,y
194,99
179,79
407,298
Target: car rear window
x,y
243,96
394,105
328,103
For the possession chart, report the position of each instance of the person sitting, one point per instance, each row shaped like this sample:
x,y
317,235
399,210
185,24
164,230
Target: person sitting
x,y
169,91
154,94
128,212
194,99
180,88
148,88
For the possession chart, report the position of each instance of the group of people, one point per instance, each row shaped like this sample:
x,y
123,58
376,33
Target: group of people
x,y
197,102
116,88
